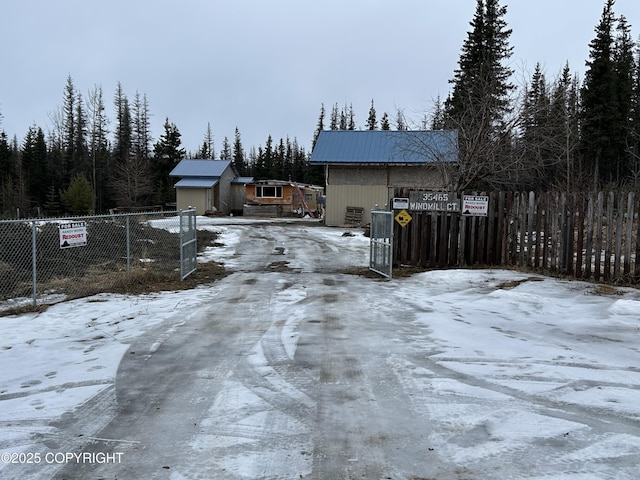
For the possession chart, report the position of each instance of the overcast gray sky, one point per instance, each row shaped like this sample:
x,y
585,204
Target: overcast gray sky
x,y
266,66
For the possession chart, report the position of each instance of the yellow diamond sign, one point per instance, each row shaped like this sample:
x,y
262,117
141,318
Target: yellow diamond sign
x,y
403,217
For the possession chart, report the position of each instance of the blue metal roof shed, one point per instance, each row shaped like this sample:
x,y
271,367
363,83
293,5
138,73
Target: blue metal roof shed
x,y
206,185
385,147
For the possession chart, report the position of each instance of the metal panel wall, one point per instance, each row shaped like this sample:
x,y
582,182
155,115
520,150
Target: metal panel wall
x,y
339,197
191,197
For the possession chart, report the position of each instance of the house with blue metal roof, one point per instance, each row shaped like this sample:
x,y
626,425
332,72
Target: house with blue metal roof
x,y
209,186
362,167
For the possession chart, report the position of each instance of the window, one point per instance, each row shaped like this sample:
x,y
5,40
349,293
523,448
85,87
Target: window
x,y
265,191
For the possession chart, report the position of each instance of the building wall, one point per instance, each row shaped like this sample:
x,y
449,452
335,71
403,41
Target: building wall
x,y
391,176
420,177
339,197
354,175
357,186
191,197
286,201
223,198
311,194
237,197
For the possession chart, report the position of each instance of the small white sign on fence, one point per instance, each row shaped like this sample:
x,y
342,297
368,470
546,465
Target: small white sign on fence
x,y
400,203
475,205
73,234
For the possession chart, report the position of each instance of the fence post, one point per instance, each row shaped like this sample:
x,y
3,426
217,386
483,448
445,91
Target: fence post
x,y
34,268
128,249
181,243
629,235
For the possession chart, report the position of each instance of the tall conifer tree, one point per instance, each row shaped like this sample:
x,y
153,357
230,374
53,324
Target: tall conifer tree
x,y
98,146
372,122
238,154
207,150
319,127
167,153
598,100
479,102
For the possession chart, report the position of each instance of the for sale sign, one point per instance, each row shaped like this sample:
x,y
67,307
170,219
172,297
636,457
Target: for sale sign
x,y
73,234
475,205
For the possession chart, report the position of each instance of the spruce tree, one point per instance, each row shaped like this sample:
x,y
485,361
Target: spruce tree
x,y
78,198
543,138
438,119
5,154
299,162
279,166
334,119
141,133
167,153
351,118
238,154
384,122
372,122
80,157
225,153
598,100
634,140
98,146
5,174
69,125
207,150
401,123
319,127
34,163
268,160
344,116
564,112
624,67
480,99
123,140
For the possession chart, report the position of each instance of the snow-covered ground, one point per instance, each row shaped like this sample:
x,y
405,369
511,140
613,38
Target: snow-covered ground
x,y
506,374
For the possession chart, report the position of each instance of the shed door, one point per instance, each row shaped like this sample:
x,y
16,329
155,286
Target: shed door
x,y
208,200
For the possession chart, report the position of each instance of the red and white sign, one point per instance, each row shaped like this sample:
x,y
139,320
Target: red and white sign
x,y
477,206
73,234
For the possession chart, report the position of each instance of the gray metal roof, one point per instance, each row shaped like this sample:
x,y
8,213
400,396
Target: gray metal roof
x,y
200,168
200,182
372,147
242,180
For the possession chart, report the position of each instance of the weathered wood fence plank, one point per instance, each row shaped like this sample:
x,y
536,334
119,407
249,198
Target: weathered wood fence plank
x,y
591,236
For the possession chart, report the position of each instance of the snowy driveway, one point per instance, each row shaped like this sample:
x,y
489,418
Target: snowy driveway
x,y
290,369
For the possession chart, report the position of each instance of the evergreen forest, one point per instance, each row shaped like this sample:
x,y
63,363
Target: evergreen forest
x,y
559,132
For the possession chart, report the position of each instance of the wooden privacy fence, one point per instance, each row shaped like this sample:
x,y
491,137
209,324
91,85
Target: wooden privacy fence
x,y
587,236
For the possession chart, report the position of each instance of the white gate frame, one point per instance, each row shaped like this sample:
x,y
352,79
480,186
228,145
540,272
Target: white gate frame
x,y
381,243
188,243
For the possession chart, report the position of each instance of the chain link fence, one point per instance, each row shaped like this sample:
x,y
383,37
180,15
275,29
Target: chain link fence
x,y
44,261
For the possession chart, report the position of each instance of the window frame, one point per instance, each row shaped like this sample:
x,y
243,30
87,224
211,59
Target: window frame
x,y
272,191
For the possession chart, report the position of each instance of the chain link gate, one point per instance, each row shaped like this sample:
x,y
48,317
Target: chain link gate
x,y
188,243
381,244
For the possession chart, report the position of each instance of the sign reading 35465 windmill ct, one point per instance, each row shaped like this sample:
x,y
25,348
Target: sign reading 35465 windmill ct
x,y
73,234
424,201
